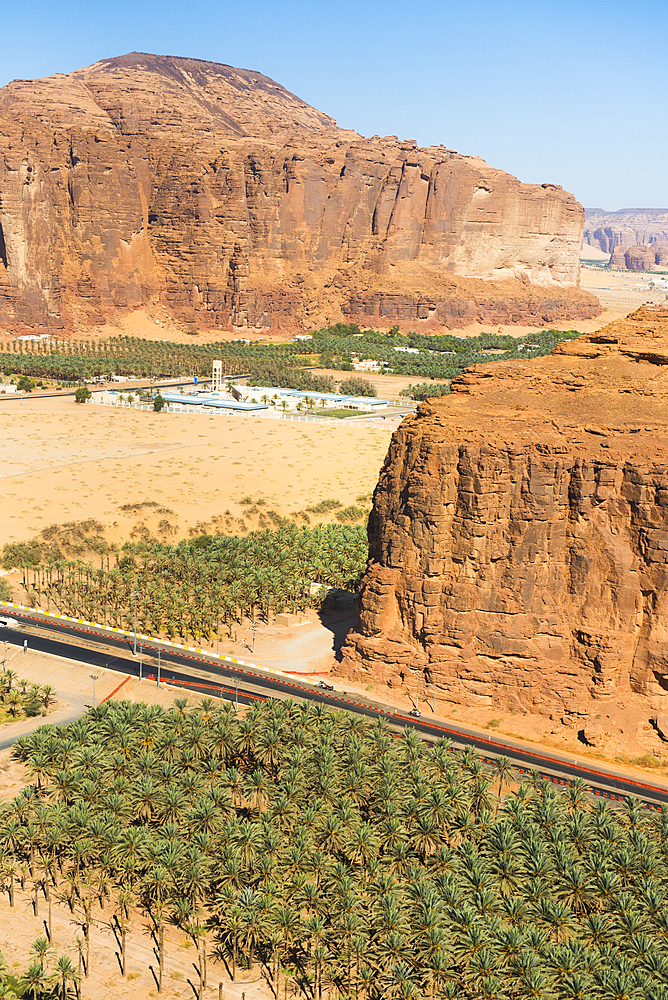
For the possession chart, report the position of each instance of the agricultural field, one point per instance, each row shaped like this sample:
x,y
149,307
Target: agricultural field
x,y
425,357
190,589
337,860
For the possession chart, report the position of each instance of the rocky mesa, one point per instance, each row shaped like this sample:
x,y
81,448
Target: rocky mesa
x,y
221,194
519,534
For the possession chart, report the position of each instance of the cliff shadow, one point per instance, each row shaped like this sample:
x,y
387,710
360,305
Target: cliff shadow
x,y
338,615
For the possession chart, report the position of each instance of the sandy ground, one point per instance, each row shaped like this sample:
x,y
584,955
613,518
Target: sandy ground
x,y
617,293
155,322
19,927
387,386
63,462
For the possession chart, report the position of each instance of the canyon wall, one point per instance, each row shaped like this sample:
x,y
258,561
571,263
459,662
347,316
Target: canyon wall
x,y
629,227
236,204
519,534
643,257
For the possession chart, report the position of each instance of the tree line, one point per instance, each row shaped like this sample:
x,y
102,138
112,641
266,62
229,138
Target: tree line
x,y
338,859
187,589
332,347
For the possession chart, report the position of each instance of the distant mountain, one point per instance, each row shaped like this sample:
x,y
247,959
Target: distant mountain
x,y
627,227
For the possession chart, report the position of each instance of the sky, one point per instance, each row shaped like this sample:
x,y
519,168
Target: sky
x,y
570,93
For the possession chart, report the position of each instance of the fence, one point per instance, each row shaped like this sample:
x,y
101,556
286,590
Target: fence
x,y
270,414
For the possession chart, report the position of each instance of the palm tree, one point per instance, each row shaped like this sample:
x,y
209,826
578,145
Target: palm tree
x,y
34,979
286,922
124,900
158,883
64,974
41,949
504,770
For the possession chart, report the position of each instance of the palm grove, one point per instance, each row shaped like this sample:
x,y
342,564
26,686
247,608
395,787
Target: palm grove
x,y
337,860
433,357
188,589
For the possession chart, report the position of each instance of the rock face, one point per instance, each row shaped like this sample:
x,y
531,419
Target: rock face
x,y
629,227
237,204
519,534
644,257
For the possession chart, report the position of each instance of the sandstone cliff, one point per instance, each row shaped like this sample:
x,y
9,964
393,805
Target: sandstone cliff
x,y
519,535
643,257
237,204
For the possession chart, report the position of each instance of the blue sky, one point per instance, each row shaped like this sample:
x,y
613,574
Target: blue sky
x,y
574,93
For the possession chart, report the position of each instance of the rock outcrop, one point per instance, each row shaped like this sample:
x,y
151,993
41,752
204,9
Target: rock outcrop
x,y
519,534
629,227
644,257
237,204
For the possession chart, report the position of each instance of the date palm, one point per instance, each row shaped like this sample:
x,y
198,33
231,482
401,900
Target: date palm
x,y
63,976
34,979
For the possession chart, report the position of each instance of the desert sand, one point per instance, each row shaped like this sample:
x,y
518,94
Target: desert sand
x,y
66,462
617,293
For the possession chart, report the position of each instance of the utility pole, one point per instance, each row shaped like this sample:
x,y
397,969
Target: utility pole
x,y
236,697
141,650
159,666
94,677
135,645
218,638
417,686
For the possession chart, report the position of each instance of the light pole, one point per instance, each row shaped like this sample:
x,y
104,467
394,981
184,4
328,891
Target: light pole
x,y
141,650
94,677
255,627
236,697
218,638
159,666
417,686
135,645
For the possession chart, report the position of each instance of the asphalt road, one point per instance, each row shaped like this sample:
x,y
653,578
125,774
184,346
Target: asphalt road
x,y
197,672
120,386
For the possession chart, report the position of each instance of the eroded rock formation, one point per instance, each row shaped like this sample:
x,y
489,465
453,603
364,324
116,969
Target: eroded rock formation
x,y
640,258
519,534
629,227
237,204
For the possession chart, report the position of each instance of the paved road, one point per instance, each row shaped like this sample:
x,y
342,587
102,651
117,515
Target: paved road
x,y
198,672
76,708
120,386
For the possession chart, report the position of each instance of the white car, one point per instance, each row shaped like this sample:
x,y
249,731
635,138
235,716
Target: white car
x,y
6,622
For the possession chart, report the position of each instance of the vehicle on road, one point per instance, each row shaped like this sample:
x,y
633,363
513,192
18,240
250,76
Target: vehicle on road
x,y
325,686
7,622
415,712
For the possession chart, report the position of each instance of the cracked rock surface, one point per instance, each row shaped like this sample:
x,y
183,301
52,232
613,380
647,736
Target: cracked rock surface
x,y
519,534
234,203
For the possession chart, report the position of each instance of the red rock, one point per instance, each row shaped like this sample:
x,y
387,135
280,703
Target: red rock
x,y
237,204
519,533
643,257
